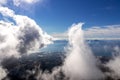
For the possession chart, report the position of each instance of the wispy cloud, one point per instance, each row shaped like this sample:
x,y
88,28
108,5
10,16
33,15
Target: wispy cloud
x,y
59,36
105,32
20,2
3,2
96,32
23,6
5,11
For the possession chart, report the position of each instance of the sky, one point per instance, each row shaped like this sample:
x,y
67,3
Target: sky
x,y
56,16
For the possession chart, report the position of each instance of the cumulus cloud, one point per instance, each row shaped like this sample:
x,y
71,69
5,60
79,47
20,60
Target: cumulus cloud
x,y
80,64
23,36
98,32
8,40
19,37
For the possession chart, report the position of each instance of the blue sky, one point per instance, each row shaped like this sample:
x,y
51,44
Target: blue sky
x,y
56,16
63,13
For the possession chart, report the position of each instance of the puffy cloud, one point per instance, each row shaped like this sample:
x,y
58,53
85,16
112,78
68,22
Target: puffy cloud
x,y
22,37
80,64
8,40
19,35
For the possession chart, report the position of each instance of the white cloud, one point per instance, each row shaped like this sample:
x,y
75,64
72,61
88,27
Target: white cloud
x,y
20,2
5,11
3,2
59,36
80,63
111,31
22,37
97,32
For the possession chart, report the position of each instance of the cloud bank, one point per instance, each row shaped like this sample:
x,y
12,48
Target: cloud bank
x,y
98,32
106,32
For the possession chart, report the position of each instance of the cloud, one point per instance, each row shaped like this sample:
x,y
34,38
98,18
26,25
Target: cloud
x,y
21,36
5,11
97,32
3,2
103,32
28,5
59,36
80,64
2,73
114,64
20,2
